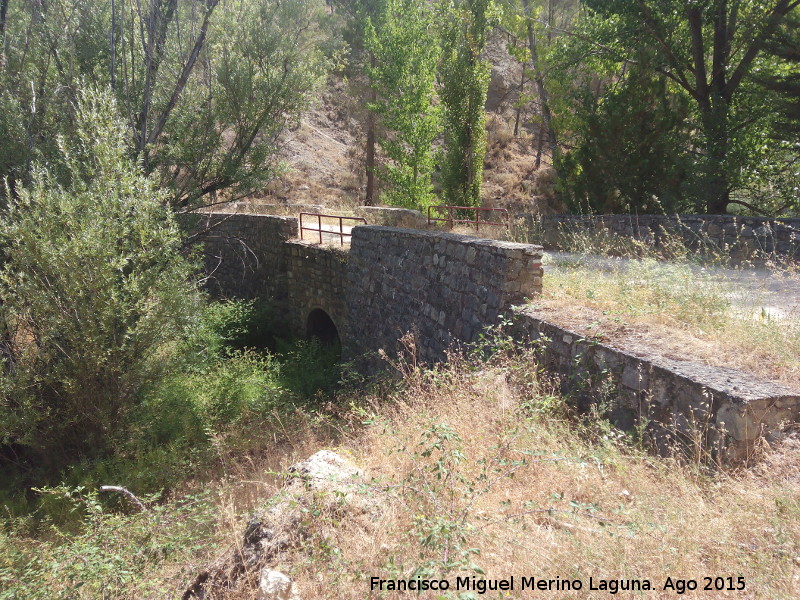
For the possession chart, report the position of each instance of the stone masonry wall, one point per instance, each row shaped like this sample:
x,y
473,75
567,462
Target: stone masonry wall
x,y
256,256
317,276
741,237
447,288
245,255
684,403
444,287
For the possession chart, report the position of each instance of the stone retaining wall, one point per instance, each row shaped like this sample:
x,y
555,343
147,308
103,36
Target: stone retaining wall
x,y
681,403
245,255
741,237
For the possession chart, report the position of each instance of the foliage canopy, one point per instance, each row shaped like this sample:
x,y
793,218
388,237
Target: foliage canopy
x,y
204,89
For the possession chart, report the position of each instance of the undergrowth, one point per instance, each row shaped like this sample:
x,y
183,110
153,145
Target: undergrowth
x,y
476,468
228,383
483,472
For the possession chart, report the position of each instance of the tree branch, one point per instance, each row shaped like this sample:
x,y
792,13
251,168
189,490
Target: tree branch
x,y
678,70
695,20
781,9
129,495
184,76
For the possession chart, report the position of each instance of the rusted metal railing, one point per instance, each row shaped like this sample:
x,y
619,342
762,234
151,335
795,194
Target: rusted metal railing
x,y
451,217
341,233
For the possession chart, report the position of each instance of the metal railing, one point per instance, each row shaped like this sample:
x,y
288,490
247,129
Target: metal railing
x,y
341,233
451,217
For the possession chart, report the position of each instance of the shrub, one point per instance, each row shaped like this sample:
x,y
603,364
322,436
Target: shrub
x,y
114,555
94,293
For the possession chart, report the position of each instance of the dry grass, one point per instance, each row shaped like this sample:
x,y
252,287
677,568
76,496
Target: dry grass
x,y
678,310
511,178
480,467
483,470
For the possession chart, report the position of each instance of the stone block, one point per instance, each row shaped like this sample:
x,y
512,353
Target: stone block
x,y
635,376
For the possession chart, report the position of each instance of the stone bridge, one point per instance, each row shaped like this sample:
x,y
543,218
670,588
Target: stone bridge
x,y
446,289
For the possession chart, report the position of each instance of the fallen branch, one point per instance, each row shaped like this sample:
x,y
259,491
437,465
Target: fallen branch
x,y
127,493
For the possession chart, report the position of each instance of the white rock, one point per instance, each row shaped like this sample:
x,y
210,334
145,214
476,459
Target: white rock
x,y
334,479
327,471
274,585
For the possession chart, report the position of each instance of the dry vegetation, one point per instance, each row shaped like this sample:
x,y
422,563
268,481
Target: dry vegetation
x,y
489,461
679,310
479,469
476,468
511,177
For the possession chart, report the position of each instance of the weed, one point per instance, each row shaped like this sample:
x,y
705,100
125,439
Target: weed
x,y
111,555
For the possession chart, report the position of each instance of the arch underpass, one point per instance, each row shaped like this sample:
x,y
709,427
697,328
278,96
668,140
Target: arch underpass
x,y
319,325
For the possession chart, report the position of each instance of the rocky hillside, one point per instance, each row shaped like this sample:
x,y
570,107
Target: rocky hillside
x,y
325,153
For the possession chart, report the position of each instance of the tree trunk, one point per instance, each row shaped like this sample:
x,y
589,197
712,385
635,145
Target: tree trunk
x,y
519,100
158,22
3,12
369,199
539,147
113,45
538,79
717,185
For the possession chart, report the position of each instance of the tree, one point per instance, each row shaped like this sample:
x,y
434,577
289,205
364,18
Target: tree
x,y
94,292
785,46
776,178
538,79
403,76
204,87
3,13
359,15
539,26
628,147
464,82
708,50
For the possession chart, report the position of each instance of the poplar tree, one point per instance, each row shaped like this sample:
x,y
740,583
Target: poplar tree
x,y
406,52
464,82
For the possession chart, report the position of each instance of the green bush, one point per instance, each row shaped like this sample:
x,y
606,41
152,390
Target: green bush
x,y
95,292
112,556
231,325
309,367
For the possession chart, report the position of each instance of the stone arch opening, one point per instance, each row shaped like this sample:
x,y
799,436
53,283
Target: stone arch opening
x,y
319,325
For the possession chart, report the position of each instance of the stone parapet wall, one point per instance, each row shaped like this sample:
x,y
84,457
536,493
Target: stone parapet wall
x,y
444,287
741,237
245,255
681,403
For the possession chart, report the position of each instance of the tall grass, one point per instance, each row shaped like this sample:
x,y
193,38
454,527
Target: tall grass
x,y
478,469
482,471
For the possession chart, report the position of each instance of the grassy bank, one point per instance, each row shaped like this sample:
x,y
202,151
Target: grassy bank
x,y
478,468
